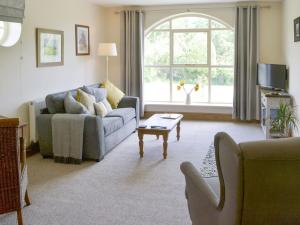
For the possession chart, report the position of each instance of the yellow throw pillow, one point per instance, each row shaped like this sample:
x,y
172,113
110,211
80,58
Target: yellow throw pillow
x,y
114,94
100,109
86,100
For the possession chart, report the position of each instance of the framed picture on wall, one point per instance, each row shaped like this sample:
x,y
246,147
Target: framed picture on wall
x,y
49,47
82,39
297,29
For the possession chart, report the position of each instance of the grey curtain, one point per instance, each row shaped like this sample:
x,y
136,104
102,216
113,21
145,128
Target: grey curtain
x,y
12,10
132,53
246,57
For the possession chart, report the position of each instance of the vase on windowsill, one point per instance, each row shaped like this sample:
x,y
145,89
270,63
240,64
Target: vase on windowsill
x,y
188,99
180,86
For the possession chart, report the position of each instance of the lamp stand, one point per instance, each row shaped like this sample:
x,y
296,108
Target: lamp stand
x,y
106,67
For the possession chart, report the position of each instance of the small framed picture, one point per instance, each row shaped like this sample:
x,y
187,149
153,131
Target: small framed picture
x,y
49,47
82,39
297,29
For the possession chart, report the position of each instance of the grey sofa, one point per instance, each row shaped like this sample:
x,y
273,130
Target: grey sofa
x,y
101,135
259,184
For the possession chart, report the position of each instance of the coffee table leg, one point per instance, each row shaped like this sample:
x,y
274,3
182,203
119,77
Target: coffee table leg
x,y
178,131
141,143
165,137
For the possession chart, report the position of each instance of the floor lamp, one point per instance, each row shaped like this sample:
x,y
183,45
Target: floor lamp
x,y
107,49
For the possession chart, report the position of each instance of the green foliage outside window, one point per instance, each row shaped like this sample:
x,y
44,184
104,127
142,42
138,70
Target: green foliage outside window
x,y
190,60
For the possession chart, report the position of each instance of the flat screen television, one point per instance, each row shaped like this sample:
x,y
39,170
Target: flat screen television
x,y
272,76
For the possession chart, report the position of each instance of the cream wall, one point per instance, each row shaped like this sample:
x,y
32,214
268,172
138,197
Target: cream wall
x,y
271,49
21,81
112,32
292,49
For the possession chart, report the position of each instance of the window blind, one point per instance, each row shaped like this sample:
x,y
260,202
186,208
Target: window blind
x,y
12,10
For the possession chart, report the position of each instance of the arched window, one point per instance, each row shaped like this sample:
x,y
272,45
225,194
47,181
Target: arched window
x,y
9,33
194,48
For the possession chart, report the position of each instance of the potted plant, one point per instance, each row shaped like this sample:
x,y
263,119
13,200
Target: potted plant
x,y
284,122
188,93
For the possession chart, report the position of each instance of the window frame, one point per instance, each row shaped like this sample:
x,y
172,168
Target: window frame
x,y
171,64
4,30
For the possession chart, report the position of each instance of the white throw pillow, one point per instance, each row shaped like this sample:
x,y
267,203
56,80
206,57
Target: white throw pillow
x,y
100,109
107,105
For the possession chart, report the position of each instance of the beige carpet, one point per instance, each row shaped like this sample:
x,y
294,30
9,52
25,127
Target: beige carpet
x,y
123,189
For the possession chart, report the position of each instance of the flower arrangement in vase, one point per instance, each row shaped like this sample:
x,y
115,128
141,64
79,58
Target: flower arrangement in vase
x,y
188,93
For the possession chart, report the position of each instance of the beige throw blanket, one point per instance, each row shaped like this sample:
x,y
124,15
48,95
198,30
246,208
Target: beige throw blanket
x,y
67,137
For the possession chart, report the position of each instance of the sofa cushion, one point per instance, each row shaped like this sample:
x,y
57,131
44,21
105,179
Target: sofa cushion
x,y
111,124
99,93
74,107
55,102
126,114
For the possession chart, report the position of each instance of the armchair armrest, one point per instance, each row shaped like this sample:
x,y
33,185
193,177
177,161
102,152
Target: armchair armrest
x,y
202,201
131,102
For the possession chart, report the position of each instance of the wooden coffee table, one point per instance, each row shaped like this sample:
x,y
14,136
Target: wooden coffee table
x,y
157,125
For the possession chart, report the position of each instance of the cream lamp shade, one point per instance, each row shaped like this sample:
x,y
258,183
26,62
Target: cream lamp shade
x,y
107,49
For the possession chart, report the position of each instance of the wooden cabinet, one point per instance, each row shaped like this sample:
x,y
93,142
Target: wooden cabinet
x,y
13,168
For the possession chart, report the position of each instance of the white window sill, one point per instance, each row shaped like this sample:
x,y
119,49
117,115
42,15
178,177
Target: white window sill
x,y
193,108
191,105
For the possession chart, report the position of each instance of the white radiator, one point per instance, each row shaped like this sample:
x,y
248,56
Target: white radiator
x,y
35,108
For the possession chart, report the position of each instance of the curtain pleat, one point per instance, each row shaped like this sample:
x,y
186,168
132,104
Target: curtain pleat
x,y
246,58
12,10
132,53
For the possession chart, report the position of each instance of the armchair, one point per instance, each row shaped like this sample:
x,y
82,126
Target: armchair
x,y
259,184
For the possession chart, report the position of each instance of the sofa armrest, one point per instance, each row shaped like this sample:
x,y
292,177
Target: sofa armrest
x,y
44,111
94,143
93,140
44,128
131,102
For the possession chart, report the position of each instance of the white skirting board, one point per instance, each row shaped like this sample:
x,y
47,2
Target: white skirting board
x,y
35,108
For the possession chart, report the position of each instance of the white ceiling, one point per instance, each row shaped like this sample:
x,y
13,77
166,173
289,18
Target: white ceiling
x,y
165,2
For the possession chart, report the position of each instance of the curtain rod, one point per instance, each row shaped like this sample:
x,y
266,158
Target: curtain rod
x,y
191,8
